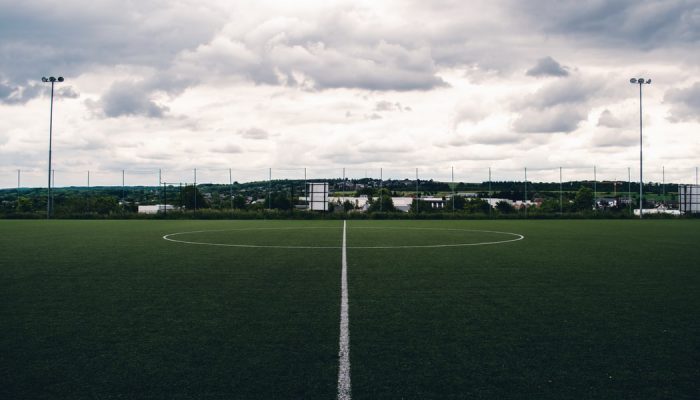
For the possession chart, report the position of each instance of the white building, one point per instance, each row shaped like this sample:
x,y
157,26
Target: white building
x,y
155,209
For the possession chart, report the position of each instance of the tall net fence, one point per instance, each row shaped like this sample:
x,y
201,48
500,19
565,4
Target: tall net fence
x,y
61,178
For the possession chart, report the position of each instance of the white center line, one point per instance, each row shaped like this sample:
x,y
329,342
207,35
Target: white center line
x,y
344,352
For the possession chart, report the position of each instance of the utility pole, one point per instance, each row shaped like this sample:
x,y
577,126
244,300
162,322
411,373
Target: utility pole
x,y
525,199
453,189
595,189
381,185
561,194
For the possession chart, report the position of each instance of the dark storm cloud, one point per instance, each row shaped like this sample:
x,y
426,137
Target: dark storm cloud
x,y
74,38
631,23
685,103
11,94
547,67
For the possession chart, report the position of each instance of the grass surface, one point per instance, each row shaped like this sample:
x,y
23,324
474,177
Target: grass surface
x,y
578,309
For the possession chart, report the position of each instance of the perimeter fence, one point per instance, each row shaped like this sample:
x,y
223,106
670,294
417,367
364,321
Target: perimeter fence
x,y
105,192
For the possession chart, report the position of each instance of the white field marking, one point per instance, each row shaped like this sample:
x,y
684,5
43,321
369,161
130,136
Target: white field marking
x,y
168,238
344,345
516,235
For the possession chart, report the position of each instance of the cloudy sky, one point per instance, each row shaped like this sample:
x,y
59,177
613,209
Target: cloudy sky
x,y
361,85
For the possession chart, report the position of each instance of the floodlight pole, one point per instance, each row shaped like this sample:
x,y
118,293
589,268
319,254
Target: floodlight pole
x,y
48,198
640,82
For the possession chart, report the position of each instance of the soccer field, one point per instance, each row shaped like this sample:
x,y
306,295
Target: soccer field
x,y
589,309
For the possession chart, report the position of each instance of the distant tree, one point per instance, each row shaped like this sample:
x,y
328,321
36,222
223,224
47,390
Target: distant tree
x,y
104,204
24,204
280,201
550,206
420,206
504,207
382,203
477,206
187,198
348,205
458,202
238,202
584,199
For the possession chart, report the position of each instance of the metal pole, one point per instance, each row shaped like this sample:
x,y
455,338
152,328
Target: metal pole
x,y
306,190
18,185
269,189
561,191
453,189
230,186
696,175
525,199
53,183
48,199
595,189
490,192
629,188
87,195
663,184
381,185
343,181
641,180
123,188
195,190
417,205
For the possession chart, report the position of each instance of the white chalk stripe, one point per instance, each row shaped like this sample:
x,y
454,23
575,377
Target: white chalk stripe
x,y
344,352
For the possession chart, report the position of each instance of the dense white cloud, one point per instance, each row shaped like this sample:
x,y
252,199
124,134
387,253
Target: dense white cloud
x,y
184,83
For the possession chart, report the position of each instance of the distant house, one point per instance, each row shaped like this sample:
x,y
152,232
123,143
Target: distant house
x,y
605,202
434,202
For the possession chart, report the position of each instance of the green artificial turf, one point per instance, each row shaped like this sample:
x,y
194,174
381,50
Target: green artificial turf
x,y
577,310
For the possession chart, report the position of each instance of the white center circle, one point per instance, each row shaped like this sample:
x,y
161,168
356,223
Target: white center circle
x,y
509,237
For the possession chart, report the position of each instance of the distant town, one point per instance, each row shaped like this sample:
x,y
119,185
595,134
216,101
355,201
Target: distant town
x,y
499,198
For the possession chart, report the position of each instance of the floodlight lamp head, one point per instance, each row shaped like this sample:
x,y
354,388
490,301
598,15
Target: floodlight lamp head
x,y
633,80
52,79
648,81
43,79
640,80
60,79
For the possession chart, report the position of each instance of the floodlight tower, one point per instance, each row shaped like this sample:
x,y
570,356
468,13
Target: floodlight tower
x,y
640,82
48,198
